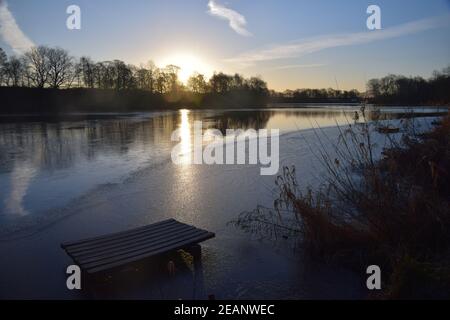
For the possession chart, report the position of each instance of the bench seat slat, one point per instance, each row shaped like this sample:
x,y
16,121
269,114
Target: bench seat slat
x,y
118,235
118,243
139,246
143,250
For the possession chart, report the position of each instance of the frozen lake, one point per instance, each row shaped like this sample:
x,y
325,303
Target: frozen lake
x,y
85,175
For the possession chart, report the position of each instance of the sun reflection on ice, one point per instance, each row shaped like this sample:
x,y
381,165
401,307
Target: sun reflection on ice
x,y
185,137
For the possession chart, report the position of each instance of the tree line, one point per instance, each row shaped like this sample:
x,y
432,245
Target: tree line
x,y
401,90
389,90
317,96
46,67
53,67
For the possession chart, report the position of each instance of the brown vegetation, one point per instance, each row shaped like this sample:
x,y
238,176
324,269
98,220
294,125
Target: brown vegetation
x,y
393,212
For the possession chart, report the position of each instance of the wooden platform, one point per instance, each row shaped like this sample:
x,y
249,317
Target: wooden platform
x,y
118,249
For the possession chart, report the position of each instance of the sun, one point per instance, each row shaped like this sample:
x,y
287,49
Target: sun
x,y
188,64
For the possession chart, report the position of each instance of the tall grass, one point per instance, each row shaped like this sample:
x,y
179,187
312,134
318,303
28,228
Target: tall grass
x,y
391,211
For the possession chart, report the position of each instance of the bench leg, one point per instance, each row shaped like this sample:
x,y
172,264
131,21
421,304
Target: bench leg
x,y
196,252
199,283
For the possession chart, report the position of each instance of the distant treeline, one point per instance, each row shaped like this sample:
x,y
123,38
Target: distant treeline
x,y
48,79
316,96
389,90
400,90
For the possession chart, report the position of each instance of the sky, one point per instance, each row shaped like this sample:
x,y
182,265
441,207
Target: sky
x,y
289,43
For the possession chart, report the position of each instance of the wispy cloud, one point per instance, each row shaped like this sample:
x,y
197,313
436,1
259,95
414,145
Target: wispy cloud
x,y
300,48
10,32
236,20
300,66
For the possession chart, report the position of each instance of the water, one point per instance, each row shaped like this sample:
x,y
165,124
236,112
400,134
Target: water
x,y
67,178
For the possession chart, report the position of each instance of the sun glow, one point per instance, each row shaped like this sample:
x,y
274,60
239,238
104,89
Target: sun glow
x,y
188,64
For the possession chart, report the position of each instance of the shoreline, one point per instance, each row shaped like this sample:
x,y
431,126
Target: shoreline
x,y
47,101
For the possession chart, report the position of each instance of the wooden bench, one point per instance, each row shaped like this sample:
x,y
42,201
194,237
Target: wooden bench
x,y
118,249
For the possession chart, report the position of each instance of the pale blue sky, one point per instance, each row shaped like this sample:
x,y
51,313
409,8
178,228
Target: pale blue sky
x,y
275,42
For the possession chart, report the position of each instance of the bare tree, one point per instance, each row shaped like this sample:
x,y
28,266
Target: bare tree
x,y
38,65
123,75
141,77
151,68
256,84
14,71
197,83
87,67
220,82
171,72
161,81
60,67
100,71
77,74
